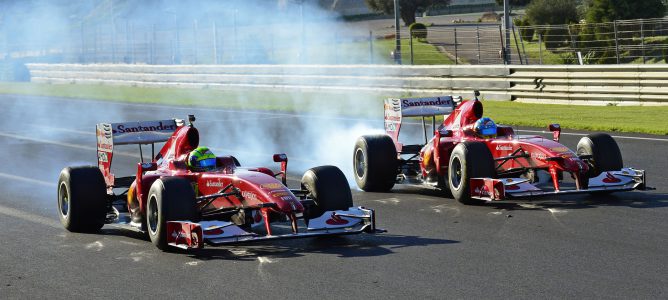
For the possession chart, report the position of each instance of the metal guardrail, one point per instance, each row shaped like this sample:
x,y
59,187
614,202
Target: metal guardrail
x,y
563,84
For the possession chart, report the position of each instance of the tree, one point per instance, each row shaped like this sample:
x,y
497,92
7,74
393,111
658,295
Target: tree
x,y
407,8
552,12
611,10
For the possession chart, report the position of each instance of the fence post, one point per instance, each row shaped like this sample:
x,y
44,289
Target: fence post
x,y
153,42
215,43
82,58
502,53
614,26
195,52
477,38
456,53
370,47
126,59
540,47
517,45
642,41
410,44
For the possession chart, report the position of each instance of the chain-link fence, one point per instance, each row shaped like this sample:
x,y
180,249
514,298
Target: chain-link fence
x,y
619,42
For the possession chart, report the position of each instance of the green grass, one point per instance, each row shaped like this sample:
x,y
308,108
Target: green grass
x,y
640,119
423,53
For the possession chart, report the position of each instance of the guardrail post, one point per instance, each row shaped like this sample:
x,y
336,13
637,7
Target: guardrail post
x,y
614,26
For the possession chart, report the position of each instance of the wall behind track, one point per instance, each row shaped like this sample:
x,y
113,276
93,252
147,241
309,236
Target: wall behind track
x,y
562,84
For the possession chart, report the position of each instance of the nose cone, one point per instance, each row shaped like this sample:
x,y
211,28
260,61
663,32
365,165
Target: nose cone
x,y
286,201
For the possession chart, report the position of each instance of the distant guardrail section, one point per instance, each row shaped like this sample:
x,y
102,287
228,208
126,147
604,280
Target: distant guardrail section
x,y
562,84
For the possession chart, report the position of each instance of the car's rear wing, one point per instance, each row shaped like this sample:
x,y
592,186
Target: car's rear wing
x,y
396,109
127,133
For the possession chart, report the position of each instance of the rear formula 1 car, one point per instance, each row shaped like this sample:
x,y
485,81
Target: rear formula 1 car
x,y
179,207
475,169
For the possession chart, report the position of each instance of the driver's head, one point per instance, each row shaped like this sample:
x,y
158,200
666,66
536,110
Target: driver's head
x,y
485,128
201,159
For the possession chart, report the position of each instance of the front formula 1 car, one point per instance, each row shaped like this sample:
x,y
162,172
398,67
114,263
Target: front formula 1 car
x,y
180,207
476,167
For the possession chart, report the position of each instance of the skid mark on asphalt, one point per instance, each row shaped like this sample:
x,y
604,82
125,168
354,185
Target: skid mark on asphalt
x,y
12,212
393,201
450,210
137,256
97,246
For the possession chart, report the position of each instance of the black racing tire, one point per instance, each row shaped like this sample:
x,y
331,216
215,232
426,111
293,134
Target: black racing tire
x,y
329,189
169,199
468,160
375,163
604,152
82,199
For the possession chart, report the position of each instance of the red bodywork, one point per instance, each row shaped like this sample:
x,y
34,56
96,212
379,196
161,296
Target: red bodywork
x,y
529,152
257,186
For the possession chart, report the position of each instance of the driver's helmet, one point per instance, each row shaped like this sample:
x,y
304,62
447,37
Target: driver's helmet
x,y
485,128
201,159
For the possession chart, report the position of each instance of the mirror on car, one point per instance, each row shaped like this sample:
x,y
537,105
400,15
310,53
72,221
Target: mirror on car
x,y
445,133
280,157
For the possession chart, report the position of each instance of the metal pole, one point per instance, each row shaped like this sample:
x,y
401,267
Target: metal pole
x,y
540,47
177,54
506,27
477,37
456,52
642,41
614,24
153,41
397,49
215,43
370,47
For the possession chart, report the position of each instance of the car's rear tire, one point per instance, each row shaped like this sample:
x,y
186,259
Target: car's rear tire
x,y
604,152
468,160
375,163
169,199
329,189
82,199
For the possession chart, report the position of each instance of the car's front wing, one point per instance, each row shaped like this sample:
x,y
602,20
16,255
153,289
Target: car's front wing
x,y
186,234
490,189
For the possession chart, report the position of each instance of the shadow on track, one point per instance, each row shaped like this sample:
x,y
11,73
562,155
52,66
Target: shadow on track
x,y
636,199
344,247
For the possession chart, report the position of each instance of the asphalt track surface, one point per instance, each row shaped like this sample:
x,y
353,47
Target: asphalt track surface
x,y
572,247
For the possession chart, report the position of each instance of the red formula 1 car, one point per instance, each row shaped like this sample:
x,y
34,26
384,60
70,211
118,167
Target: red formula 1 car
x,y
476,169
179,207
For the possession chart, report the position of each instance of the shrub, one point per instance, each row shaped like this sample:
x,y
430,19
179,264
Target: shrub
x,y
418,30
525,33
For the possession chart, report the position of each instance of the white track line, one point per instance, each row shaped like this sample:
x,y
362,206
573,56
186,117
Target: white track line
x,y
28,180
12,212
584,134
287,114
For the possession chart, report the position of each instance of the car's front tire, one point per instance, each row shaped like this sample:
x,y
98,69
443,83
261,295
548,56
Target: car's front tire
x,y
169,199
468,160
329,189
604,152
